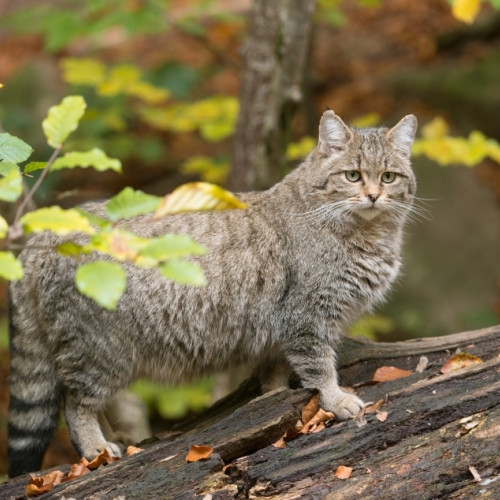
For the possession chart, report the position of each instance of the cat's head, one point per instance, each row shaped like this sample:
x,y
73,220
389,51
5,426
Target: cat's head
x,y
367,171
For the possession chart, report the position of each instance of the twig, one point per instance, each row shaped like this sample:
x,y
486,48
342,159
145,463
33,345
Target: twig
x,y
20,210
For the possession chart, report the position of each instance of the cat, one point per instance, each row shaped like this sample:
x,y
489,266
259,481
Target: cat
x,y
285,277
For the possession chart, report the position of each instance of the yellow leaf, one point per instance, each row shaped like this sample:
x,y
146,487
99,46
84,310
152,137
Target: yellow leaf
x,y
435,129
466,10
368,120
3,227
208,168
198,196
57,220
300,149
83,71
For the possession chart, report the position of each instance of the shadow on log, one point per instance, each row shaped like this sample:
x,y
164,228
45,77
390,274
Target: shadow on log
x,y
440,438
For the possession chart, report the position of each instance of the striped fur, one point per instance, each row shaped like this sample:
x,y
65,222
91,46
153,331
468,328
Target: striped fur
x,y
285,278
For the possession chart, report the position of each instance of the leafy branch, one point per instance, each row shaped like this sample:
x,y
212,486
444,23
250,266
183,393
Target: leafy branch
x,y
102,280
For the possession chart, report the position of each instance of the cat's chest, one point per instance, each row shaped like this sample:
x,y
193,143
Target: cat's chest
x,y
356,272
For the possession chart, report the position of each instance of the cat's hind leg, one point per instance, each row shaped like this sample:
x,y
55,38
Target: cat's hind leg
x,y
85,431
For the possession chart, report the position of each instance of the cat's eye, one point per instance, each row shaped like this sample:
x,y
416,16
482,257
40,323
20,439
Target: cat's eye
x,y
388,177
353,175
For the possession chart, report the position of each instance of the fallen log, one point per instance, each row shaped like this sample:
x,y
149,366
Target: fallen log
x,y
433,435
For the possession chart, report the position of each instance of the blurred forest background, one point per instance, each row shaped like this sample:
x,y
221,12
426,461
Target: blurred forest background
x,y
162,83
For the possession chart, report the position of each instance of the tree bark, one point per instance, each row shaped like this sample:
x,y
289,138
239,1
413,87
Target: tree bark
x,y
440,430
274,57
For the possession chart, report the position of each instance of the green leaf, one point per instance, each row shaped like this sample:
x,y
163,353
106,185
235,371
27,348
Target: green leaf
x,y
57,220
10,268
93,219
183,271
69,249
33,166
129,203
171,245
11,186
3,227
63,119
7,168
95,158
102,281
13,149
198,196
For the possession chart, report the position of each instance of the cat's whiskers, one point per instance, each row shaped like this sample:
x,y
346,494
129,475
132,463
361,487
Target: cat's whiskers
x,y
414,212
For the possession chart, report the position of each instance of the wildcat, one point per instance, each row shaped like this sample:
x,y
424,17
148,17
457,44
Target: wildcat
x,y
285,277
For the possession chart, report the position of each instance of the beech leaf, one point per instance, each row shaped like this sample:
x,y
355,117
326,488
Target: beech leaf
x,y
183,271
13,149
132,450
57,220
10,268
42,484
198,196
11,185
459,361
102,281
343,472
95,158
63,119
3,227
199,453
129,203
386,373
172,245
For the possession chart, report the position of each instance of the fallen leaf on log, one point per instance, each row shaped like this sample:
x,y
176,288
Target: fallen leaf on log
x,y
132,450
319,417
310,409
76,471
196,453
38,485
459,361
373,407
386,373
343,472
103,458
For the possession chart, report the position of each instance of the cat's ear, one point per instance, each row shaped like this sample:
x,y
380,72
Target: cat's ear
x,y
402,135
334,134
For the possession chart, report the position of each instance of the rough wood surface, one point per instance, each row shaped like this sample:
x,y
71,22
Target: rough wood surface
x,y
438,427
274,56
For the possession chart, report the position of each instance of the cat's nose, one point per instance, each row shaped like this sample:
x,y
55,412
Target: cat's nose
x,y
373,197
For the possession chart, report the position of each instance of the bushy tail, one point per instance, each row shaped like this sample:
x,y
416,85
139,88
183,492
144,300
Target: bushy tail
x,y
34,396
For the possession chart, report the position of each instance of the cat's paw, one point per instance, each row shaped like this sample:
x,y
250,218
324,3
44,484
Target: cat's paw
x,y
113,449
344,405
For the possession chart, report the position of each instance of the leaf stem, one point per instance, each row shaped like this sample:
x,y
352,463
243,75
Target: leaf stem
x,y
33,190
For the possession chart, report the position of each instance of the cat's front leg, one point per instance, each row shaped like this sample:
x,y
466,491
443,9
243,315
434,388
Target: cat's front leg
x,y
314,363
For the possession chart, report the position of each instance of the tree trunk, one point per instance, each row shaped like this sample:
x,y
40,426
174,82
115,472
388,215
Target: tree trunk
x,y
274,56
439,440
